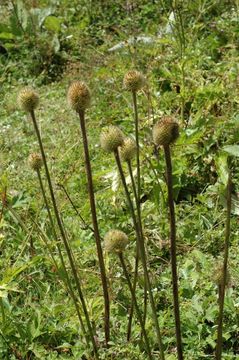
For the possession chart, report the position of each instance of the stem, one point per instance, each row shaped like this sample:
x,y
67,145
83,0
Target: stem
x,y
136,123
131,313
95,227
137,255
63,235
68,282
135,305
142,253
173,251
224,270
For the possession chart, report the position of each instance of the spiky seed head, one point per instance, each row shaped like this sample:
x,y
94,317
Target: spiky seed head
x,y
165,131
111,138
28,99
134,80
115,241
78,96
35,161
128,149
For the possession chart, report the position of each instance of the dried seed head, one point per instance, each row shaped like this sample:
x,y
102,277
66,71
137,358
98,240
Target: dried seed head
x,y
28,99
78,96
128,149
165,131
134,80
35,161
115,241
111,138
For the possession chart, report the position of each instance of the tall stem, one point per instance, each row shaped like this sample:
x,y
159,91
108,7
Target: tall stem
x,y
224,270
131,311
136,124
138,196
95,227
136,266
63,235
173,251
136,305
142,253
68,282
137,254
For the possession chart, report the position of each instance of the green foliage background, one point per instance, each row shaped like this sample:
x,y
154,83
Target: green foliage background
x,y
191,64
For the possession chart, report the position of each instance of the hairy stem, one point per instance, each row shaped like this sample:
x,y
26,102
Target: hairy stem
x,y
137,256
131,311
140,318
63,235
224,270
142,253
173,251
95,227
136,124
68,281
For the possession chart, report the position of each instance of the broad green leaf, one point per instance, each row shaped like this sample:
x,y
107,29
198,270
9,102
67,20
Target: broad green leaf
x,y
40,15
52,23
232,149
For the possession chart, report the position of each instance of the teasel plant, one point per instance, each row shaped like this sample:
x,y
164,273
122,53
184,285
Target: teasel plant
x,y
79,100
28,100
133,82
36,163
224,271
115,242
165,132
111,138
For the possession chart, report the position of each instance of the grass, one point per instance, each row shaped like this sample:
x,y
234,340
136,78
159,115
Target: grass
x,y
38,319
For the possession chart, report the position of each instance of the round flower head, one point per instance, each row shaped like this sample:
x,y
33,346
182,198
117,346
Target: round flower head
x,y
165,131
111,138
115,241
134,80
35,161
128,149
28,99
78,96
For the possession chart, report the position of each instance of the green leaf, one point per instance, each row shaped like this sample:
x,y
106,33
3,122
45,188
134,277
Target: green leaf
x,y
55,43
232,149
22,14
222,168
40,15
52,23
6,36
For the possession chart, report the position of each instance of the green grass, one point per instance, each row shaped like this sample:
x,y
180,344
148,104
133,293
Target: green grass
x,y
38,319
